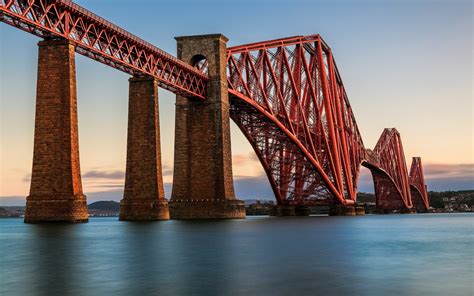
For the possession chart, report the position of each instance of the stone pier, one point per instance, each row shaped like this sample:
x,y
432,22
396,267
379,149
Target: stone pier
x,y
202,183
290,210
349,210
144,198
56,188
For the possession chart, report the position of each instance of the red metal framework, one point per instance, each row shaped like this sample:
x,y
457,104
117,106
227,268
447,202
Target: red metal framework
x,y
288,99
286,96
391,159
417,184
103,41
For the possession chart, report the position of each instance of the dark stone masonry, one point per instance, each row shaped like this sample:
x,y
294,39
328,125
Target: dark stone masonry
x,y
202,183
56,188
144,197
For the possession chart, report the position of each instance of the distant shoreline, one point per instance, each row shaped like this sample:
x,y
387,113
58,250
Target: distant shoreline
x,y
461,201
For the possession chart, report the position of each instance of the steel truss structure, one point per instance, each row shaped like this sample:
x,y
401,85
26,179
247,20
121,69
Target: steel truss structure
x,y
103,41
390,159
417,184
286,96
296,89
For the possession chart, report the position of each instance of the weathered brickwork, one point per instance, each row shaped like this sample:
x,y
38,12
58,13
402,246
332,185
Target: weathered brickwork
x,y
56,189
349,210
290,210
202,182
144,197
341,210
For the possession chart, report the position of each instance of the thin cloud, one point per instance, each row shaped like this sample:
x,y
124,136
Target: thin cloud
x,y
449,171
167,170
26,178
243,159
119,185
97,174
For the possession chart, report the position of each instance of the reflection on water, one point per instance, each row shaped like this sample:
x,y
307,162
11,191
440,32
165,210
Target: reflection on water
x,y
372,255
52,251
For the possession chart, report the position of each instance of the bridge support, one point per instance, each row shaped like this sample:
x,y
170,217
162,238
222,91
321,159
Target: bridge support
x,y
417,200
388,198
290,210
144,198
56,188
202,182
350,210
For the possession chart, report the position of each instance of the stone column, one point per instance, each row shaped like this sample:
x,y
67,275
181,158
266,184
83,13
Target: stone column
x,y
56,188
144,198
202,183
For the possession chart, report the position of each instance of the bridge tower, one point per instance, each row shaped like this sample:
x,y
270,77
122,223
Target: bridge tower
x,y
56,188
144,198
202,181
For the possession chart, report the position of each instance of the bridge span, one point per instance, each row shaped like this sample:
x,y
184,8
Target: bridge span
x,y
286,96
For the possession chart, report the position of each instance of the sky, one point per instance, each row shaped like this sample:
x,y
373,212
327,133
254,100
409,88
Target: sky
x,y
405,64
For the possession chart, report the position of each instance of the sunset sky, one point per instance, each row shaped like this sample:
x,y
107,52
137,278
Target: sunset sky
x,y
405,64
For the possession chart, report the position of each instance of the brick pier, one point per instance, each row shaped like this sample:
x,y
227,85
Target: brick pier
x,y
202,183
56,188
144,198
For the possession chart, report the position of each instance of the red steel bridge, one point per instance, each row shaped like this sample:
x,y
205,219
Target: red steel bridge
x,y
286,96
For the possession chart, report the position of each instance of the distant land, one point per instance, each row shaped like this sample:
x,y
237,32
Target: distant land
x,y
441,202
104,208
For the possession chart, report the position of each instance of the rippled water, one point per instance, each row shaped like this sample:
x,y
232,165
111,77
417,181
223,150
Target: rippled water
x,y
429,254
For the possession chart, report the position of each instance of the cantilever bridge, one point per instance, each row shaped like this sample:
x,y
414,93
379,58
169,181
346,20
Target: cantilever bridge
x,y
286,96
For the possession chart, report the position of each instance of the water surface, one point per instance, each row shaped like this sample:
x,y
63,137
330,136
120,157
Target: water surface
x,y
425,254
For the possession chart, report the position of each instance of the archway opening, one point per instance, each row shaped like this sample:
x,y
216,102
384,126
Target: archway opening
x,y
250,180
200,62
366,189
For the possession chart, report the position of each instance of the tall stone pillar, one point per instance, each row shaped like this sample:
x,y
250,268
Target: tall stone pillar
x,y
202,183
144,198
56,188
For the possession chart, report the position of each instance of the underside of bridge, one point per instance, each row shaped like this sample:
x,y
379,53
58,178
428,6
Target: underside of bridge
x,y
418,200
286,96
388,197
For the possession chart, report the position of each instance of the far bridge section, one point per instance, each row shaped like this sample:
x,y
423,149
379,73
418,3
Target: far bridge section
x,y
286,96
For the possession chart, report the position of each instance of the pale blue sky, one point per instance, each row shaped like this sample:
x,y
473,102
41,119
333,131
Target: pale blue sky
x,y
405,64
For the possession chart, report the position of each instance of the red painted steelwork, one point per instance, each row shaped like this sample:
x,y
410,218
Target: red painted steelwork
x,y
286,96
288,99
417,180
103,41
391,159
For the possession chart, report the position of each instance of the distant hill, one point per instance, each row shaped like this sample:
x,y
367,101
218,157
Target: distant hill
x,y
8,213
105,206
256,201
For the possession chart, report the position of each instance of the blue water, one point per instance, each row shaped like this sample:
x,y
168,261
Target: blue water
x,y
430,254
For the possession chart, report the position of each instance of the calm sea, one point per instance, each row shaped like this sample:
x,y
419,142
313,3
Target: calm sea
x,y
424,254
